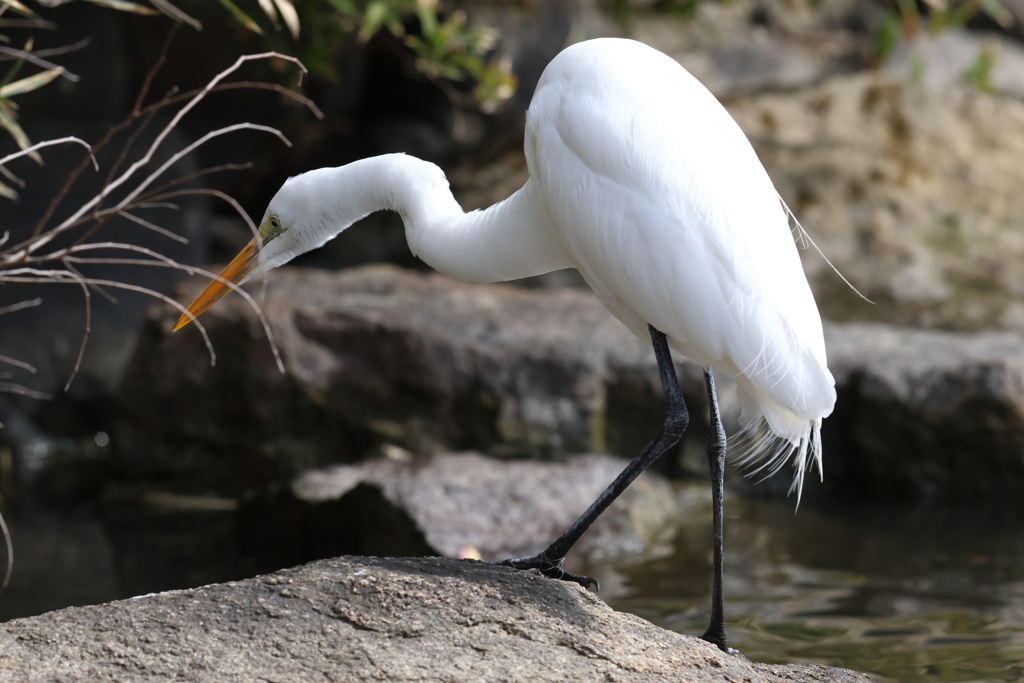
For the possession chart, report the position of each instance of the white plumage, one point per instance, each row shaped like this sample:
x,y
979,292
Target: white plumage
x,y
642,181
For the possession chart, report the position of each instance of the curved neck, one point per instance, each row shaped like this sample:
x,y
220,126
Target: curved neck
x,y
510,240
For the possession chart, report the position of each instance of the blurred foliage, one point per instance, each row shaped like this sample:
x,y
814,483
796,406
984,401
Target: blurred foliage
x,y
903,19
444,44
900,20
980,72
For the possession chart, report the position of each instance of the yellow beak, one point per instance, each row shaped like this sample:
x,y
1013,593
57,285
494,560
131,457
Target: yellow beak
x,y
239,267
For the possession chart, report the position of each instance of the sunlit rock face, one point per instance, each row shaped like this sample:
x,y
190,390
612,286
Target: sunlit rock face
x,y
912,192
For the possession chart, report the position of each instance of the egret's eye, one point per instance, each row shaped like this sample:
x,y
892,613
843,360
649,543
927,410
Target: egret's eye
x,y
270,229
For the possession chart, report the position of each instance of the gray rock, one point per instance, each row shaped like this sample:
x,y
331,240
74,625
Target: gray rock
x,y
381,355
354,619
924,413
462,502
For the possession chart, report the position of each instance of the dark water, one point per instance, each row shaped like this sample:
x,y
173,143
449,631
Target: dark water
x,y
909,595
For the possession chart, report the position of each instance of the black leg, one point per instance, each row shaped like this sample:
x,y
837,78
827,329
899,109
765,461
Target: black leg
x,y
716,459
677,418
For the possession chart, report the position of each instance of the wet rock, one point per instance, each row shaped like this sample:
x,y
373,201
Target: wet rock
x,y
925,414
380,355
365,618
911,191
458,503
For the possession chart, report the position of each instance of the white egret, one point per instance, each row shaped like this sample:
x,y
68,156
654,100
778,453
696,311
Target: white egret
x,y
642,181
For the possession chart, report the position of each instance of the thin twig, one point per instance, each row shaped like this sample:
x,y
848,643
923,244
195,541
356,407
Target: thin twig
x,y
61,277
21,305
85,336
155,228
197,174
18,364
161,261
51,143
11,388
10,554
63,50
220,195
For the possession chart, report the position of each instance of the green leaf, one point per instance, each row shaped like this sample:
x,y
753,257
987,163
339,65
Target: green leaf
x,y
346,7
31,83
376,16
7,121
888,36
8,192
16,67
125,6
979,74
997,12
241,17
426,11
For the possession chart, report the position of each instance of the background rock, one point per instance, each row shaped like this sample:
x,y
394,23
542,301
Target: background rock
x,y
907,192
380,355
458,501
925,414
362,619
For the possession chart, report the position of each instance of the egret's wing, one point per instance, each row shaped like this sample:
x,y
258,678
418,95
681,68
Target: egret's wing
x,y
664,205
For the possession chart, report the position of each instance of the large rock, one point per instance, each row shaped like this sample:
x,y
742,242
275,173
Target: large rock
x,y
355,619
378,355
456,503
912,192
925,414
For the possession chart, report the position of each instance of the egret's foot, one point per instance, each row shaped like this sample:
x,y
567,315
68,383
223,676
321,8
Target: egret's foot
x,y
722,644
551,569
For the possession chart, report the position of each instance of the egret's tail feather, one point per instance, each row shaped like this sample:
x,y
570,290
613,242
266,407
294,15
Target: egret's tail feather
x,y
760,452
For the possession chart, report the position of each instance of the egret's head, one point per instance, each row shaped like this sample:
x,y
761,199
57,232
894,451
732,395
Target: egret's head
x,y
282,236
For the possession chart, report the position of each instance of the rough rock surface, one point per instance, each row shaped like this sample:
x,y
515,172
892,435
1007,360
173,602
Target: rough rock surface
x,y
457,501
382,355
925,413
912,192
357,619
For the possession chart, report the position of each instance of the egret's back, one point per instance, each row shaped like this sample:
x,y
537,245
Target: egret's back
x,y
664,207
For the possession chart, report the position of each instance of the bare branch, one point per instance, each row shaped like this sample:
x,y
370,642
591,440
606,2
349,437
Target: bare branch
x,y
10,554
175,158
85,336
51,143
33,275
155,228
162,261
206,171
18,364
63,50
11,388
30,303
220,195
99,290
